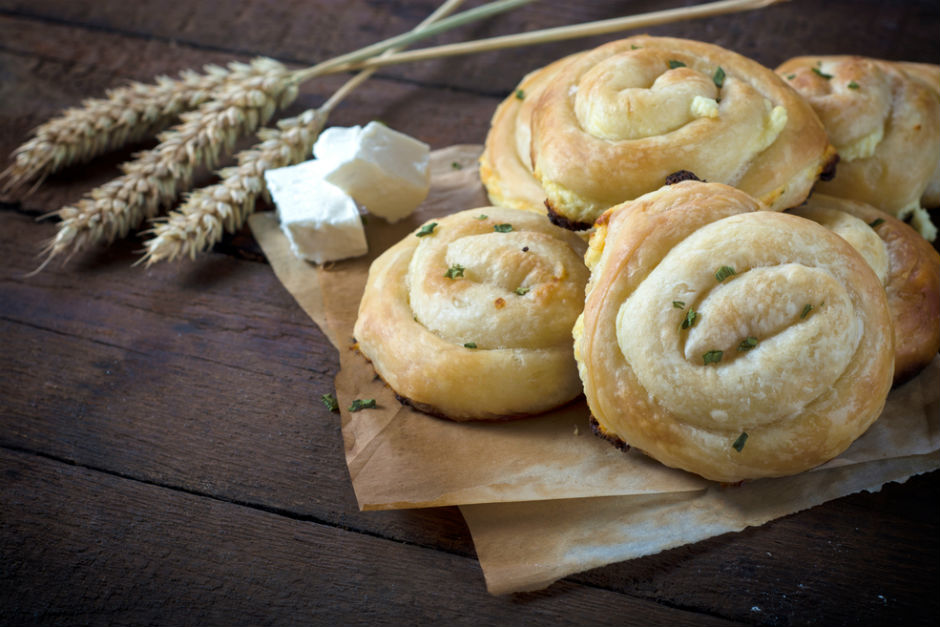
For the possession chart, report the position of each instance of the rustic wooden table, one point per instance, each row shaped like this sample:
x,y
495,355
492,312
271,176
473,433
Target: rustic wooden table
x,y
165,458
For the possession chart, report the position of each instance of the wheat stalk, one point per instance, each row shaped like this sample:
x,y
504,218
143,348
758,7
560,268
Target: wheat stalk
x,y
211,211
208,212
125,115
156,176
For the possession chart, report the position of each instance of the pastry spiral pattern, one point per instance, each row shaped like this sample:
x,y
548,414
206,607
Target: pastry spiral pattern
x,y
470,317
610,124
885,125
907,265
729,341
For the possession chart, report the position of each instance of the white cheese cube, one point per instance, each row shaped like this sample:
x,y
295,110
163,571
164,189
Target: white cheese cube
x,y
321,221
383,170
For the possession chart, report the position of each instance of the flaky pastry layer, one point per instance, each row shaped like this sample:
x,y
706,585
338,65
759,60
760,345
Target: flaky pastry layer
x,y
610,124
908,266
730,341
470,317
885,126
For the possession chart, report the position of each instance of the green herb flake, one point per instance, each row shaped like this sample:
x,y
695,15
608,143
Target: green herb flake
x,y
520,94
719,77
427,229
691,316
482,216
634,47
673,64
330,401
739,443
806,309
747,343
723,273
362,403
790,77
678,304
522,291
470,345
821,73
712,357
502,228
455,165
454,271
852,85
876,222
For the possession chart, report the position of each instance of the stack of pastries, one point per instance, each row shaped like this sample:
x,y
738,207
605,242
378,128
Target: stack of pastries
x,y
726,320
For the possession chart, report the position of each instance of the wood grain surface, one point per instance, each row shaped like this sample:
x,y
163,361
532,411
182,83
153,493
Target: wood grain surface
x,y
164,455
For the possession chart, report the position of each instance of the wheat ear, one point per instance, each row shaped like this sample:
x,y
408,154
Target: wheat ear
x,y
200,222
211,211
126,115
156,176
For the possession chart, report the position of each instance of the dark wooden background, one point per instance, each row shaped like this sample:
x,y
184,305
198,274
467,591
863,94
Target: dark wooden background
x,y
163,453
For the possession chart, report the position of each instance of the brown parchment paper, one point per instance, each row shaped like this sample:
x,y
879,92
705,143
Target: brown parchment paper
x,y
604,505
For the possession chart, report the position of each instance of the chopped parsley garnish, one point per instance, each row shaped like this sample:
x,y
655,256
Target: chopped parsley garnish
x,y
673,64
362,403
634,47
723,273
712,357
821,73
520,94
852,85
739,443
747,343
719,77
455,165
678,304
806,309
454,271
876,222
522,291
427,229
502,228
330,401
470,345
482,216
690,318
790,77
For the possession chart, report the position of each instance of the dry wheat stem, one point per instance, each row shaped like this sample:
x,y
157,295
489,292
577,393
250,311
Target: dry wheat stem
x,y
209,212
126,115
549,35
156,176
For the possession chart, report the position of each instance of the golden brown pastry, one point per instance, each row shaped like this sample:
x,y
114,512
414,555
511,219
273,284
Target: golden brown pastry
x,y
728,341
929,75
610,124
470,316
884,125
908,266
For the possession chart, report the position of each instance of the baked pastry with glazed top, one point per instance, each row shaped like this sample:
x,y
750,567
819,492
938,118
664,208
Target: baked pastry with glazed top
x,y
929,75
470,316
907,265
885,126
729,341
610,124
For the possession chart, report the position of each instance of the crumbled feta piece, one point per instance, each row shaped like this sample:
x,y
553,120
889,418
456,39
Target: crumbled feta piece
x,y
383,170
321,221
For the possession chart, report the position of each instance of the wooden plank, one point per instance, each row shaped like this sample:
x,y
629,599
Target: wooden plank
x,y
86,547
272,446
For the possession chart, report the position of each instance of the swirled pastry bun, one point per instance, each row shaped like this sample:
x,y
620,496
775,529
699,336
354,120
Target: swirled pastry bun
x,y
908,266
470,316
728,341
610,124
929,76
885,126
